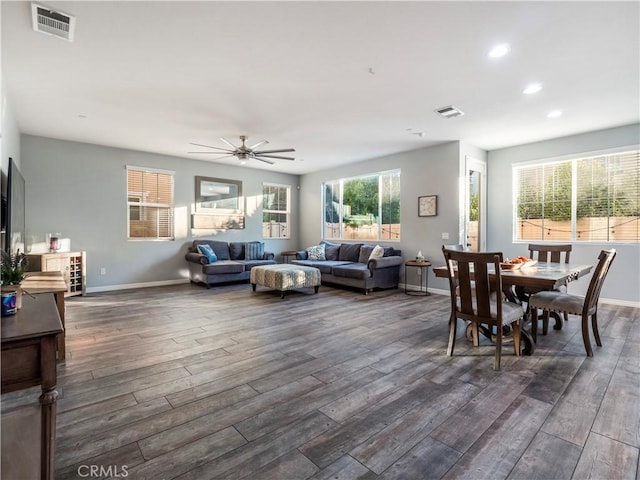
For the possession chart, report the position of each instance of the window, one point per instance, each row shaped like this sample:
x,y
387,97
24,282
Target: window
x,y
592,199
149,204
276,209
363,208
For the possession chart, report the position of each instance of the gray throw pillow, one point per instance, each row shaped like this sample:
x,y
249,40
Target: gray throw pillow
x,y
236,249
350,252
331,250
365,253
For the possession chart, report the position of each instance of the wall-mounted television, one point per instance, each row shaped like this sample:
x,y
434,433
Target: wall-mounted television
x,y
15,216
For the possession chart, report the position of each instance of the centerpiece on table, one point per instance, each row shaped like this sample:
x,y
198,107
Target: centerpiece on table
x,y
14,270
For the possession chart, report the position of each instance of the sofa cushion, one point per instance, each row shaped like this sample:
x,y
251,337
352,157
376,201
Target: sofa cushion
x,y
325,266
365,253
208,252
349,252
223,266
331,250
221,249
253,250
316,252
236,250
389,252
249,264
353,270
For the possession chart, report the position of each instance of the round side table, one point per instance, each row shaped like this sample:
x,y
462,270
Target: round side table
x,y
286,254
424,273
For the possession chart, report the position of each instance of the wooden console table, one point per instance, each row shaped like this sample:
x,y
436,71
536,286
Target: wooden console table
x,y
29,359
49,282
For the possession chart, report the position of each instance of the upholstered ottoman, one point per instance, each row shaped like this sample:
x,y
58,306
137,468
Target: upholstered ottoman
x,y
285,277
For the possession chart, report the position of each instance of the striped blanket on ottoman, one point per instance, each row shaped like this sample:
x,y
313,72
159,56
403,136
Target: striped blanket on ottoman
x,y
285,277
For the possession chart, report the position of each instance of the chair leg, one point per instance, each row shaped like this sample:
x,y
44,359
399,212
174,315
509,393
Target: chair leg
x,y
474,334
496,361
566,317
594,326
585,335
534,324
545,322
516,337
453,323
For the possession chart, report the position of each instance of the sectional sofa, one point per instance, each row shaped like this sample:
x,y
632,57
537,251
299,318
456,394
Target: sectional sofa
x,y
233,261
352,264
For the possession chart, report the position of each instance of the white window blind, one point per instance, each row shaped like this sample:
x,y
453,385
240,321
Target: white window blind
x,y
594,199
150,204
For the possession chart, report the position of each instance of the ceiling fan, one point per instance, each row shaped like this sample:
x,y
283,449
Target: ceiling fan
x,y
245,153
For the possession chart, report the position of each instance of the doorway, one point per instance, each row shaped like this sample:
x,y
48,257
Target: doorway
x,y
474,233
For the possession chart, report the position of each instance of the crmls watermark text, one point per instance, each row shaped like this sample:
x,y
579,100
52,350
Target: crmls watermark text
x,y
115,471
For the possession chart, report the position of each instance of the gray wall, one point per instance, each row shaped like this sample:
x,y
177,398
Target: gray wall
x,y
623,283
80,191
429,171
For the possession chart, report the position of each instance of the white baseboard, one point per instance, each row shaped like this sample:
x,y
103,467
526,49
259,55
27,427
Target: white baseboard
x,y
130,286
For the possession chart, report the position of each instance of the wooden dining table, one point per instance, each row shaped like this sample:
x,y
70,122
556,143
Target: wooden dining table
x,y
536,278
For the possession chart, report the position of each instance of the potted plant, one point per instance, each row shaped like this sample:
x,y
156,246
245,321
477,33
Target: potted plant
x,y
14,270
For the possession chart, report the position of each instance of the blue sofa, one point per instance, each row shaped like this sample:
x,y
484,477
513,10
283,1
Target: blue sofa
x,y
232,264
349,264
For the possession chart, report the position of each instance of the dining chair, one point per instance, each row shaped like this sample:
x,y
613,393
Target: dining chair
x,y
549,253
469,274
587,307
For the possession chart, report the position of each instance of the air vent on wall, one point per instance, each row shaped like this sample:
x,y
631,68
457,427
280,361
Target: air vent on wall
x,y
52,22
450,111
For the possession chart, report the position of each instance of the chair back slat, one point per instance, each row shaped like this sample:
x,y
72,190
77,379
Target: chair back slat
x,y
470,282
605,259
550,253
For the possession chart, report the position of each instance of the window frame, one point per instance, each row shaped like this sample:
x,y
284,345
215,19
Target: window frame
x,y
286,212
144,207
341,208
573,161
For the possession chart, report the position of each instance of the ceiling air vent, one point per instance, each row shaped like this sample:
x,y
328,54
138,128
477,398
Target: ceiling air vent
x,y
450,111
52,22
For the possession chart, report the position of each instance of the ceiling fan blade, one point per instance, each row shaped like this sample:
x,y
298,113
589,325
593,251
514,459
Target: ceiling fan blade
x,y
229,143
282,150
226,152
259,156
263,142
209,146
263,160
226,156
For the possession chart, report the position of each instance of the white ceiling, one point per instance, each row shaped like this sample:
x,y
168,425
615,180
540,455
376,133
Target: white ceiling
x,y
338,81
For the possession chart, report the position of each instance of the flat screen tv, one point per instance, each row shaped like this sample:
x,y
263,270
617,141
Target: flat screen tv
x,y
15,229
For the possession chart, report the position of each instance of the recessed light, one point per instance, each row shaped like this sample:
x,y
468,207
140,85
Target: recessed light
x,y
532,88
554,114
499,50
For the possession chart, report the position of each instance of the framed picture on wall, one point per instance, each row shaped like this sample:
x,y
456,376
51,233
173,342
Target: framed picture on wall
x,y
428,206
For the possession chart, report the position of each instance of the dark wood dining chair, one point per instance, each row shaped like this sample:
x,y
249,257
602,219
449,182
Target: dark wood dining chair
x,y
587,307
549,253
469,274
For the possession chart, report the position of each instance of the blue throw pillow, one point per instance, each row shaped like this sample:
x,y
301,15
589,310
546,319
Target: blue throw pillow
x,y
208,252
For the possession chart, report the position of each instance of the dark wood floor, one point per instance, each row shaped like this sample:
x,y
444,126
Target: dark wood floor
x,y
184,382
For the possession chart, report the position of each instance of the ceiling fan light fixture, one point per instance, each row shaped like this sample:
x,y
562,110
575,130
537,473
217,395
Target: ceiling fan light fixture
x,y
244,153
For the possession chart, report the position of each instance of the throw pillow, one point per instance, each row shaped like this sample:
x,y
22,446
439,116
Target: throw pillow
x,y
316,252
253,250
331,250
365,253
350,252
377,252
208,252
